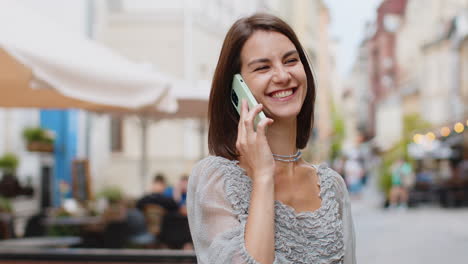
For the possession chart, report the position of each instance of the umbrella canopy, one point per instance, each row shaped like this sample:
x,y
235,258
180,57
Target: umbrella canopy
x,y
45,66
192,100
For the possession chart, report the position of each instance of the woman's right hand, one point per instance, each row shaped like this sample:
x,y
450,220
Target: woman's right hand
x,y
255,153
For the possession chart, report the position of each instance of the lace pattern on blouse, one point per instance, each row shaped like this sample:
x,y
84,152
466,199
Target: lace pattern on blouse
x,y
304,237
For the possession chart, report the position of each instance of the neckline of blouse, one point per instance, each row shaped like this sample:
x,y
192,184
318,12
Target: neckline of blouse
x,y
319,171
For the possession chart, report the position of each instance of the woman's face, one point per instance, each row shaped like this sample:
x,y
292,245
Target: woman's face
x,y
272,69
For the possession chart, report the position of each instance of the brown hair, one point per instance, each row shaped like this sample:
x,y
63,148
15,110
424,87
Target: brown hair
x,y
223,117
159,178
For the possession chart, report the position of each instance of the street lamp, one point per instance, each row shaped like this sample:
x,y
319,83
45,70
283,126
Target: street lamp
x,y
445,131
418,138
430,136
459,127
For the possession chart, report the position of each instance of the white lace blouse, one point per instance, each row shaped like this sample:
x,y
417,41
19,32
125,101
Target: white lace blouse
x,y
218,199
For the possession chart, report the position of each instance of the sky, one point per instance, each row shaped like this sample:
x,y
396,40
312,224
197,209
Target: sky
x,y
348,18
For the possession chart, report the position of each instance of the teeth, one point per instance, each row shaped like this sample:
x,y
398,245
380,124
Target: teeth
x,y
282,94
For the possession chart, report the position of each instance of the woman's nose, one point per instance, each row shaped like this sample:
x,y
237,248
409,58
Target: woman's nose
x,y
281,75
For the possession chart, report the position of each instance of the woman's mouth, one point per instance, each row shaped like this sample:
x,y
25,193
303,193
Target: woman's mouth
x,y
283,95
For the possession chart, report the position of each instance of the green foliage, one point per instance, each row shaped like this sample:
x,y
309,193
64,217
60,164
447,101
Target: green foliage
x,y
5,205
388,158
113,194
9,163
338,132
412,123
62,230
37,134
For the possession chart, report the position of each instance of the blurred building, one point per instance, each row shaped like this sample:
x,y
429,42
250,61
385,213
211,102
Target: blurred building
x,y
463,48
432,72
322,50
385,105
429,60
358,96
415,59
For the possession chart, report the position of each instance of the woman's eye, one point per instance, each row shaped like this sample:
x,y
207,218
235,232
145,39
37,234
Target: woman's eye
x,y
293,60
261,68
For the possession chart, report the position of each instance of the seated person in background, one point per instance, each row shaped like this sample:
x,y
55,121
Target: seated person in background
x,y
180,194
175,228
157,195
138,230
462,168
175,232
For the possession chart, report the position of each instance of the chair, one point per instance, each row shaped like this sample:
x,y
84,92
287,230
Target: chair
x,y
175,231
6,226
154,215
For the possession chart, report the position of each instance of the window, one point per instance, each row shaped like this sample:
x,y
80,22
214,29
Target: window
x,y
114,5
116,134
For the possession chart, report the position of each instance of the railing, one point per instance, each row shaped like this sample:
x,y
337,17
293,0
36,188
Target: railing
x,y
71,256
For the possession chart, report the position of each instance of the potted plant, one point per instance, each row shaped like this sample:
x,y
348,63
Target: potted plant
x,y
9,185
5,205
112,194
38,139
6,217
116,210
8,164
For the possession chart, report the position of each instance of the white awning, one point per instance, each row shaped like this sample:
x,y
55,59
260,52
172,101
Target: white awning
x,y
43,65
192,100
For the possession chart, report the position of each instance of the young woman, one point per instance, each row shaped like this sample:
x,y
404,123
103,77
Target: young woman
x,y
255,200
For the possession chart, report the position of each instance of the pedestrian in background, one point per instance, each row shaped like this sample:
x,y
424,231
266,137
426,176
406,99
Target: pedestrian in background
x,y
402,180
180,192
354,173
255,200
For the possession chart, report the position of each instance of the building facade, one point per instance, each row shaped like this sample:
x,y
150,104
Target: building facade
x,y
385,105
427,60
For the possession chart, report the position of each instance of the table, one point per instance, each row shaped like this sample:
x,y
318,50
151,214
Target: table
x,y
72,220
40,242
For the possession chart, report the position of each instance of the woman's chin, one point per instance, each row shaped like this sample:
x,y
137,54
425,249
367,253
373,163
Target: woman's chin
x,y
283,115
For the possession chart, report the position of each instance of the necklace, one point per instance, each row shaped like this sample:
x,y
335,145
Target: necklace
x,y
288,158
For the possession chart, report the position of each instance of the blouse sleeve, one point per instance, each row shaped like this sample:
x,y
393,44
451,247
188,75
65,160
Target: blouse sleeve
x,y
217,233
348,225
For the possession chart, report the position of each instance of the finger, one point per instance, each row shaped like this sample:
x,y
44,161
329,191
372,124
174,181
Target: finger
x,y
263,125
243,113
251,116
241,131
254,112
244,109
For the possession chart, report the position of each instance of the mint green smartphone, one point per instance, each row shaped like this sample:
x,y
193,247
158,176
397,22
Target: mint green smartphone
x,y
240,91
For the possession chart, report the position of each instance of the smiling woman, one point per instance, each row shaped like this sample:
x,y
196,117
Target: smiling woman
x,y
255,200
275,74
223,126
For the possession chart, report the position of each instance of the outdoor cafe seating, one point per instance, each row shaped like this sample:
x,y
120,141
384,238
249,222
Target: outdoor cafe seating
x,y
100,237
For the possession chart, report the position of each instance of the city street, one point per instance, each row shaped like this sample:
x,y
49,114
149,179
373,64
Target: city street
x,y
421,235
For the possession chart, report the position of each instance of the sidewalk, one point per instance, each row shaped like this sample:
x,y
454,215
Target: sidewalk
x,y
428,235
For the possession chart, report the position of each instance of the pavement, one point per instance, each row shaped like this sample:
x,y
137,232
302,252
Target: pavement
x,y
426,235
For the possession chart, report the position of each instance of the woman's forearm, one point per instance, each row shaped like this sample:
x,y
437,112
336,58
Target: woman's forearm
x,y
260,226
